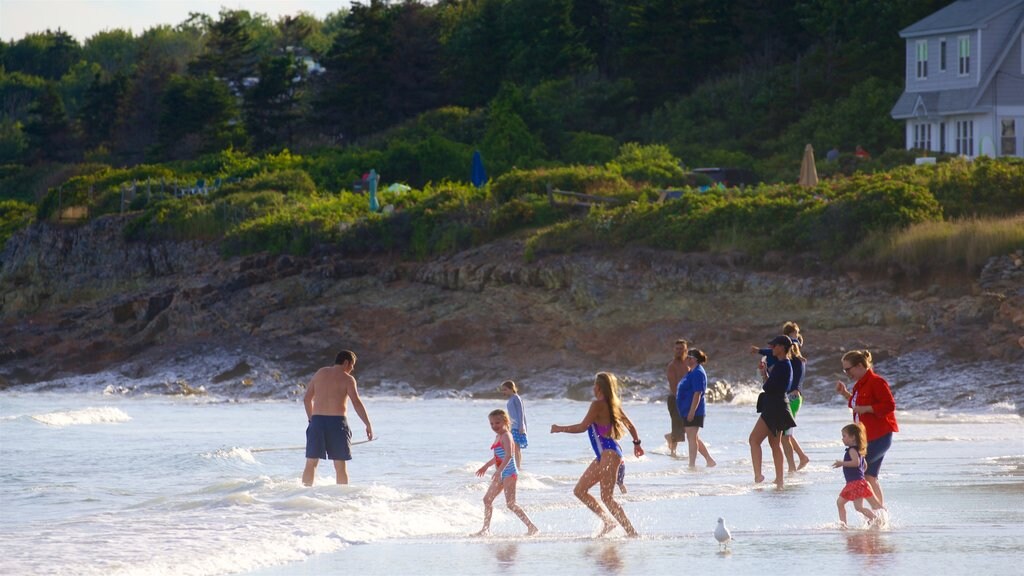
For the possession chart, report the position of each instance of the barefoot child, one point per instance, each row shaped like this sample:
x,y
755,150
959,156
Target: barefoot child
x,y
853,464
517,414
505,474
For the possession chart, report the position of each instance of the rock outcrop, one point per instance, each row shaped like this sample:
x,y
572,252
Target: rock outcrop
x,y
82,300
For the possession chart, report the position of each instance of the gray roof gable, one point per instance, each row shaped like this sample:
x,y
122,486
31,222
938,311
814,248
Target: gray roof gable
x,y
960,15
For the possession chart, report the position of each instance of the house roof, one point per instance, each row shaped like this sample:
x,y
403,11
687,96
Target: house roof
x,y
960,15
933,104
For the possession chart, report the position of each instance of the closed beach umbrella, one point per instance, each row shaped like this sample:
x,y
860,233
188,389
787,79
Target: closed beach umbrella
x,y
374,205
478,176
808,171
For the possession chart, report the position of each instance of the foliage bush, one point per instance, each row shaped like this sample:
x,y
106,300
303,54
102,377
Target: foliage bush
x,y
652,163
294,228
983,187
589,149
583,179
14,215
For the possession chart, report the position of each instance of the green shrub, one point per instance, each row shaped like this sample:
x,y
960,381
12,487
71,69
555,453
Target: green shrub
x,y
294,228
589,149
866,204
982,187
651,163
14,215
583,179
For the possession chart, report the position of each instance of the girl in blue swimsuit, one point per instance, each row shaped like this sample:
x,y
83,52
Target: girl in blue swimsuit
x,y
505,474
605,423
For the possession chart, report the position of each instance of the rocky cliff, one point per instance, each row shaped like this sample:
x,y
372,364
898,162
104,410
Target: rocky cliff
x,y
80,300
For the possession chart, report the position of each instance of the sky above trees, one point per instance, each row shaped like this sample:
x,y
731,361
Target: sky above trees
x,y
84,18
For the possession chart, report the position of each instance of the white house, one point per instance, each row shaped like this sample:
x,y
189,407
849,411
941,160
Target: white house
x,y
964,92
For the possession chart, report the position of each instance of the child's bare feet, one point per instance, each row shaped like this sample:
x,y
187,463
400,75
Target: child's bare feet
x,y
483,532
533,531
803,462
758,478
608,527
712,463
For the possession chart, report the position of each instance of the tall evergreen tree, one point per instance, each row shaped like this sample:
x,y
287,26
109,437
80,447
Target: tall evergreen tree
x,y
50,133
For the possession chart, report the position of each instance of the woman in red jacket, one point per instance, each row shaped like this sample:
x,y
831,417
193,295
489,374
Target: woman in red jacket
x,y
873,406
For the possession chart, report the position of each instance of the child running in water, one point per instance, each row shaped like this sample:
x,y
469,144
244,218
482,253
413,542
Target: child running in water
x,y
505,474
853,464
517,414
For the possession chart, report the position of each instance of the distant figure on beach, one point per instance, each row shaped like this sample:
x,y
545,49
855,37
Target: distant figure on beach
x,y
873,406
862,153
691,404
853,464
517,414
328,435
832,155
505,474
675,372
775,416
605,423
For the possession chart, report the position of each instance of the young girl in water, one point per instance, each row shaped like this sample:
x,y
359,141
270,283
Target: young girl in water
x,y
853,464
505,474
517,414
605,422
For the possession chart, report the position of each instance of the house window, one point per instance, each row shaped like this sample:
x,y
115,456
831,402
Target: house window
x,y
965,55
965,138
1008,137
923,136
942,55
922,59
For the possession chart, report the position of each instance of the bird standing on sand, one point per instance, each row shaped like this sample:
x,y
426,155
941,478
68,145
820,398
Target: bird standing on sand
x,y
722,535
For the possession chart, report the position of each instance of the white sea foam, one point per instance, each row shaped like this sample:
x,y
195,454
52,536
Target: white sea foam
x,y
101,415
240,454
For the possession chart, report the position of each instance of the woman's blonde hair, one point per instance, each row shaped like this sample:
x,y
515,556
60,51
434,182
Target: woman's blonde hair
x,y
609,386
510,385
857,431
858,357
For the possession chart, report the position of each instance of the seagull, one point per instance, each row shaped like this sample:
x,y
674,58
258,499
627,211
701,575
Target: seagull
x,y
722,535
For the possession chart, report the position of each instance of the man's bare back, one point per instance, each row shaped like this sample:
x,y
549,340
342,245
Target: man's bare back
x,y
329,391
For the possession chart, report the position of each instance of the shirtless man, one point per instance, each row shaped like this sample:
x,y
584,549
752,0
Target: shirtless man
x,y
328,435
676,371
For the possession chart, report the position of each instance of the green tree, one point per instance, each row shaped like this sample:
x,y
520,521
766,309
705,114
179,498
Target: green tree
x,y
474,51
50,133
116,51
47,54
273,106
199,116
231,49
349,92
163,52
99,111
509,142
541,41
17,93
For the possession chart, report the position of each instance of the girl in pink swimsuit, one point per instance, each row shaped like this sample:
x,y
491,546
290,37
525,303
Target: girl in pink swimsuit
x,y
505,474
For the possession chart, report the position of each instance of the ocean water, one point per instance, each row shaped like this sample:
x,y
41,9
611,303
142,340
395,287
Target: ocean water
x,y
111,482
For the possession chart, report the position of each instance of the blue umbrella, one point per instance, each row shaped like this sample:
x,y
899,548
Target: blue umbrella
x,y
374,205
479,175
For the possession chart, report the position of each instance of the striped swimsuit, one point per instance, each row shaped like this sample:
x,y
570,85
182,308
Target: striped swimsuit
x,y
499,457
